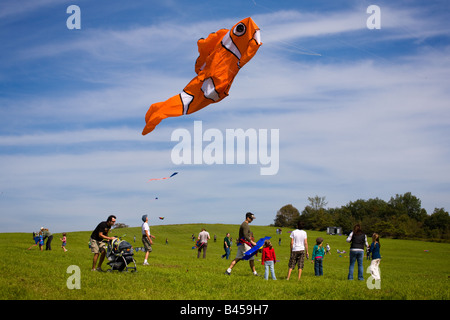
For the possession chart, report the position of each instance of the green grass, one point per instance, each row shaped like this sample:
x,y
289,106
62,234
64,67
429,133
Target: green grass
x,y
407,271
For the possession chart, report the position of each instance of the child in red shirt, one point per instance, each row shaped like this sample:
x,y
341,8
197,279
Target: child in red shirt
x,y
268,259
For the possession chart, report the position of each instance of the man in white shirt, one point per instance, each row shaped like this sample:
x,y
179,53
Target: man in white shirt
x,y
146,238
203,237
299,244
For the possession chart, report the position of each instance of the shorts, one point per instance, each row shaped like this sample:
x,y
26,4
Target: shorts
x,y
97,246
297,258
242,248
147,245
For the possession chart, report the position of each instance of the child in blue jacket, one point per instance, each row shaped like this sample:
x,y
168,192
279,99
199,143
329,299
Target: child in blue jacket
x,y
376,256
317,257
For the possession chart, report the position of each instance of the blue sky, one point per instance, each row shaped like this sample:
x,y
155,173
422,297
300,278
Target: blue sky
x,y
361,113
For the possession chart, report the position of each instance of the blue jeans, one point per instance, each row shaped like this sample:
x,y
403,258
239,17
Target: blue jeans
x,y
227,253
269,265
356,256
318,267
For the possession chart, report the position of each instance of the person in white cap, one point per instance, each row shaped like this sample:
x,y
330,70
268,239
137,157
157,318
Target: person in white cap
x,y
146,238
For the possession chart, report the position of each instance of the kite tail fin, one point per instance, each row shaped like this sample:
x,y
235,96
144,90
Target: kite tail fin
x,y
172,107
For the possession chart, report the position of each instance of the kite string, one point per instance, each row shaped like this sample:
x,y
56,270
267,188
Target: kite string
x,y
301,50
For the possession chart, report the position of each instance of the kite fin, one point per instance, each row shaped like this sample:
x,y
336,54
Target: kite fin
x,y
172,107
206,46
195,96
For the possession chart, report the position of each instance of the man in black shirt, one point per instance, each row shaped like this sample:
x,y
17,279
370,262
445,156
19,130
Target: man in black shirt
x,y
98,243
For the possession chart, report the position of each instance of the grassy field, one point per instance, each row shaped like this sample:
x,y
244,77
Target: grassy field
x,y
410,270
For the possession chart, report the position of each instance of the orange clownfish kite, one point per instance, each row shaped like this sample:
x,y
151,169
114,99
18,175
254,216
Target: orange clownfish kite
x,y
221,55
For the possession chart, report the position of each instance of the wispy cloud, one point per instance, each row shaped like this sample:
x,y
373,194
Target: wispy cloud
x,y
14,9
70,137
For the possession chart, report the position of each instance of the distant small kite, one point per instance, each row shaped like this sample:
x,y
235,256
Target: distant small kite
x,y
161,218
198,244
164,178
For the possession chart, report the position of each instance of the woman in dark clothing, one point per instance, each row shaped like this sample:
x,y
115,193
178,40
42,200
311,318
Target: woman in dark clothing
x,y
357,241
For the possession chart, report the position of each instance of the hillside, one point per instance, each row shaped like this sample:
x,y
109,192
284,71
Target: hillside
x,y
409,269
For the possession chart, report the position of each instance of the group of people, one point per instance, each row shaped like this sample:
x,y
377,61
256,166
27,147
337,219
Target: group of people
x,y
358,240
44,236
202,243
298,248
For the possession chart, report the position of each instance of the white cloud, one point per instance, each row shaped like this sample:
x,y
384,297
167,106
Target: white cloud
x,y
13,9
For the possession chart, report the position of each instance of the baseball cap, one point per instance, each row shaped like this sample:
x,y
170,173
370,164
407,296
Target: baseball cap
x,y
249,215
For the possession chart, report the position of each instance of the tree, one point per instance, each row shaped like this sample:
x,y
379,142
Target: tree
x,y
405,227
317,202
120,225
287,216
315,216
361,209
343,218
438,224
401,217
408,204
322,220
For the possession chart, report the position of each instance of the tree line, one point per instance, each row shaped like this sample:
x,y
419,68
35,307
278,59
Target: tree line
x,y
402,217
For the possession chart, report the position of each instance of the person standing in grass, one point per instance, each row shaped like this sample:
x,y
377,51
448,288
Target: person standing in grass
x,y
299,246
226,246
98,244
268,259
203,237
146,238
376,257
41,240
47,236
64,240
357,241
317,257
328,249
244,243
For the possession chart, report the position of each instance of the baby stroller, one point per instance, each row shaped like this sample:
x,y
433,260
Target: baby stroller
x,y
120,254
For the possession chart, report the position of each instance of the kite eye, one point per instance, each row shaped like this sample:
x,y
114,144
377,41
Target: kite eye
x,y
239,30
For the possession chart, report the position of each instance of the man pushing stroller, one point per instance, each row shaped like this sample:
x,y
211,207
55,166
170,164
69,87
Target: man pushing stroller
x,y
98,241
